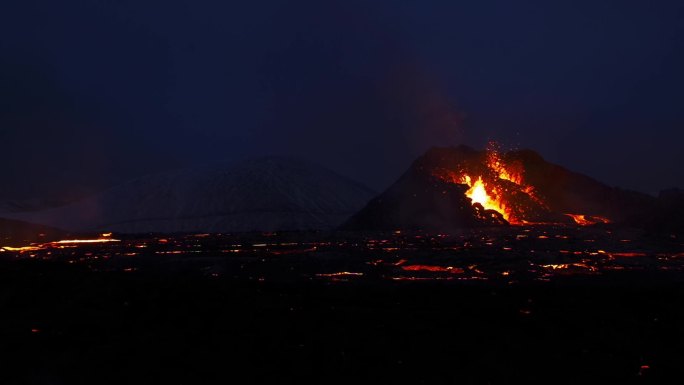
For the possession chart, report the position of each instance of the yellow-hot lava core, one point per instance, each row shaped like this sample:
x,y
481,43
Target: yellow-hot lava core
x,y
500,183
490,200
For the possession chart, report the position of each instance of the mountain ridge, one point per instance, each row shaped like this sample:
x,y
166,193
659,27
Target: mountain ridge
x,y
290,194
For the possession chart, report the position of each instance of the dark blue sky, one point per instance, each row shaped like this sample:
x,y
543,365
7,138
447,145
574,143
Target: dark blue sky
x,y
96,92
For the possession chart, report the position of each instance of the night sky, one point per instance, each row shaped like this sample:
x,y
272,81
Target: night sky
x,y
93,93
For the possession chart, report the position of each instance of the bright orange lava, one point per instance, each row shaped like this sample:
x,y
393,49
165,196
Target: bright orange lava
x,y
490,200
75,241
448,269
586,220
489,194
60,244
499,185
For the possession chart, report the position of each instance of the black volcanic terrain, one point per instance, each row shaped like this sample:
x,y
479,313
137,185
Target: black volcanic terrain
x,y
515,304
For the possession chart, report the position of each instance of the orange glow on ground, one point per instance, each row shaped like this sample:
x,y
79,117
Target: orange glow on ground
x,y
20,249
432,268
59,244
586,220
76,241
339,274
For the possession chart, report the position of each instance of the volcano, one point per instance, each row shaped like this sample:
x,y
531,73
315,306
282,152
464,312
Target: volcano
x,y
457,187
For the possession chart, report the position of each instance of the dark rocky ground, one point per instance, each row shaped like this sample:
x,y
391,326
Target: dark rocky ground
x,y
279,314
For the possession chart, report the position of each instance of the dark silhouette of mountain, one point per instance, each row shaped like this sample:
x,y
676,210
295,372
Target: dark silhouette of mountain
x,y
18,206
565,191
259,195
20,233
430,194
668,215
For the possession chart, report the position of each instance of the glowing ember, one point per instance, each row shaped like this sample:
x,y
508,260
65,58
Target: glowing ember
x,y
495,164
643,369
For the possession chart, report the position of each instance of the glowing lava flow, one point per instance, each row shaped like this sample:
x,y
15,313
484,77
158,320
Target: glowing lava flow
x,y
20,249
488,194
490,201
496,185
75,241
587,220
59,244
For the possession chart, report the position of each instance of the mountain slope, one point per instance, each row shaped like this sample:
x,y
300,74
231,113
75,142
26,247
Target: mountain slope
x,y
260,195
565,191
19,233
419,201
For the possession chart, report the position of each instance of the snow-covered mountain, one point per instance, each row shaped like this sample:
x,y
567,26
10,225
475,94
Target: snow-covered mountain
x,y
259,195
